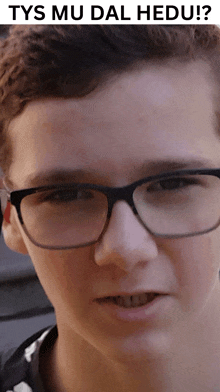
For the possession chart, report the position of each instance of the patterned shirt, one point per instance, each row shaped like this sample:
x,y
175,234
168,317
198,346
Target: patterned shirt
x,y
19,367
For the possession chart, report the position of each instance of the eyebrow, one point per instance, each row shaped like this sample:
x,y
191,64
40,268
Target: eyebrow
x,y
148,168
167,165
57,176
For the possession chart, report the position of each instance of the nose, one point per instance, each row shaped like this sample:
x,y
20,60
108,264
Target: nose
x,y
126,243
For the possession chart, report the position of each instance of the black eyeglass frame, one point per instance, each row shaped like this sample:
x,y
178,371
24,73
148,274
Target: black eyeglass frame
x,y
113,194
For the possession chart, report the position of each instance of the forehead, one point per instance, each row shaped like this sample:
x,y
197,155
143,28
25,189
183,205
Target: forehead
x,y
160,112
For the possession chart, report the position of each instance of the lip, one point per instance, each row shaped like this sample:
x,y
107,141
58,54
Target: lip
x,y
146,313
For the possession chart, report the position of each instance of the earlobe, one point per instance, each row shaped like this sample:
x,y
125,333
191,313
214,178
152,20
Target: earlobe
x,y
12,231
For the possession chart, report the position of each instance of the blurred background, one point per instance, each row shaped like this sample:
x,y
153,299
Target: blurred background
x,y
24,307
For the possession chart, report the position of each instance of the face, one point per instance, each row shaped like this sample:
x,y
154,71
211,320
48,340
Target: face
x,y
142,123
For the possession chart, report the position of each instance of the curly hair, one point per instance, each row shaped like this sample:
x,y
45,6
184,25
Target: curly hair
x,y
43,61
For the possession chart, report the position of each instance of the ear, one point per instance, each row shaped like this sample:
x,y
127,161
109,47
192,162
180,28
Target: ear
x,y
12,231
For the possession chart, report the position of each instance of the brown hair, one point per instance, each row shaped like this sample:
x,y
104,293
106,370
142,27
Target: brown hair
x,y
43,61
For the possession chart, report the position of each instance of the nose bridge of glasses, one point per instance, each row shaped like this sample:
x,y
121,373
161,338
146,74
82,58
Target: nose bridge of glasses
x,y
117,194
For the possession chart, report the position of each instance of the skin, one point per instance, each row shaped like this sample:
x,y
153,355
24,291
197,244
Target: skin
x,y
154,113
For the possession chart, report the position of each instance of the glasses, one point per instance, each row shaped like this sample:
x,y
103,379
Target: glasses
x,y
172,205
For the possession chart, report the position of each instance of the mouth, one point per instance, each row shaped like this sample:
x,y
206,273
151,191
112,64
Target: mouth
x,y
129,301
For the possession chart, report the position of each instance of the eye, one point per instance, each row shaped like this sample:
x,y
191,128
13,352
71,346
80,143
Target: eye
x,y
66,195
171,184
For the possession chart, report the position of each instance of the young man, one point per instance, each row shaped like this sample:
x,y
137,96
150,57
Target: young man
x,y
111,155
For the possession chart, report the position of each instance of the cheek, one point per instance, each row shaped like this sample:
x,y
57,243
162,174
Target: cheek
x,y
196,262
65,275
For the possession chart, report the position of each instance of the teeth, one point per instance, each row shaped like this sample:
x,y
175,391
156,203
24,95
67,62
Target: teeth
x,y
134,300
127,301
144,298
124,301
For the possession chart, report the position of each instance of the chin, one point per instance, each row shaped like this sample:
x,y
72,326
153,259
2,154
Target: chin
x,y
141,346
